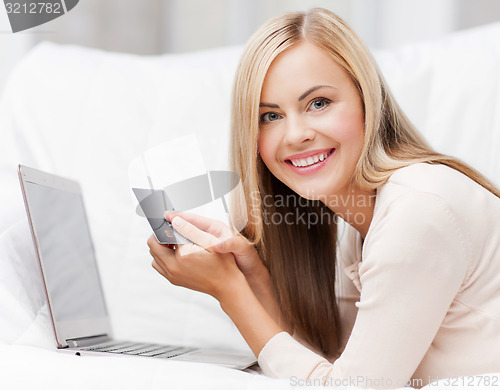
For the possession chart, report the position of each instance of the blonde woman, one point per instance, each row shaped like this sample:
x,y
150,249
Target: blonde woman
x,y
409,288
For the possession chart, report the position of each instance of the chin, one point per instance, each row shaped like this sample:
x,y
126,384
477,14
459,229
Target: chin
x,y
312,194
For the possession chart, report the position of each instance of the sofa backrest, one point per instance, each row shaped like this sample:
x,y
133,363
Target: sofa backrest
x,y
85,114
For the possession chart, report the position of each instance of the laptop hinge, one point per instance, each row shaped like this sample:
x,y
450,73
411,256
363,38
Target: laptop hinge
x,y
86,341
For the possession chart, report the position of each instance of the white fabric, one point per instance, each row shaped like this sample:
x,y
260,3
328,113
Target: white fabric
x,y
91,113
35,368
85,114
450,89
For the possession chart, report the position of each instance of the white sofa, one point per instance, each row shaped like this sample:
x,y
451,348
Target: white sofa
x,y
86,114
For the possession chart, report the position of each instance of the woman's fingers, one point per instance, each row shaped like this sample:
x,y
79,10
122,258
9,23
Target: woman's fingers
x,y
164,259
211,226
199,237
152,241
158,250
159,269
243,250
209,233
191,266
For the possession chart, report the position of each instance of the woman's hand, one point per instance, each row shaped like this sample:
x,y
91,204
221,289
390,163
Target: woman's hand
x,y
218,237
196,268
215,237
216,274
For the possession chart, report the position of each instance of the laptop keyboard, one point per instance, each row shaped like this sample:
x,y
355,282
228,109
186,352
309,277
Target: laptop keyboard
x,y
139,349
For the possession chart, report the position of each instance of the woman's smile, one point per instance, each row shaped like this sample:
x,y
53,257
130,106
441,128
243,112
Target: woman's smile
x,y
309,163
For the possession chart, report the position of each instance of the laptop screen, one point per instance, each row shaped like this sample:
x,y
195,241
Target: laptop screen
x,y
66,253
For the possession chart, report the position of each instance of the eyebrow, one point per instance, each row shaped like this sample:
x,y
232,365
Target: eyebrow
x,y
301,97
269,105
311,90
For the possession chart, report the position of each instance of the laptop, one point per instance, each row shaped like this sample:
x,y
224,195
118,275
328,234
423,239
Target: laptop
x,y
65,252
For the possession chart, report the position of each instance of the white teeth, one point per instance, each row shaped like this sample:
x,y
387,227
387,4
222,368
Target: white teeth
x,y
310,160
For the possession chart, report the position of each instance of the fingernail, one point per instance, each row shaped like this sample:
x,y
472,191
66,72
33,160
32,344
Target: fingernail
x,y
177,222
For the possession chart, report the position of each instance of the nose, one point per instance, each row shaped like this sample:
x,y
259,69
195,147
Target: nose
x,y
298,131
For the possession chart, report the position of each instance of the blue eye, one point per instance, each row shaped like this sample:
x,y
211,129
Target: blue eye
x,y
269,117
319,104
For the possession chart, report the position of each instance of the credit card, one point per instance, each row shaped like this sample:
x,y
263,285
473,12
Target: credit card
x,y
153,204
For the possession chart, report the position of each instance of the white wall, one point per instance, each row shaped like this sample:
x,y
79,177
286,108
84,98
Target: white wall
x,y
476,12
159,26
390,23
119,25
192,25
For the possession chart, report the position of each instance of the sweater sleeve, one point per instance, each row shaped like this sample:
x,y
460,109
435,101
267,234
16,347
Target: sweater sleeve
x,y
415,261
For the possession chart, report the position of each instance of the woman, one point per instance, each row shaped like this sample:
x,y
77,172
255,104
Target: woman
x,y
316,135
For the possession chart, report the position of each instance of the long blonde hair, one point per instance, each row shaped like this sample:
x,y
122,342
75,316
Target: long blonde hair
x,y
301,259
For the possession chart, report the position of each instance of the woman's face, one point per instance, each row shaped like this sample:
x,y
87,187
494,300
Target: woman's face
x,y
311,122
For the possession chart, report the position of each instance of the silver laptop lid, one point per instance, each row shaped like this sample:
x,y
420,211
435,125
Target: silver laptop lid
x,y
65,251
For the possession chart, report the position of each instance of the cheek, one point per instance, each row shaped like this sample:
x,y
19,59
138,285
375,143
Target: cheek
x,y
356,137
352,137
268,148
348,129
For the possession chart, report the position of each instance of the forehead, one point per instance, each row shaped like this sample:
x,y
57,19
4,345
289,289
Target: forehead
x,y
300,67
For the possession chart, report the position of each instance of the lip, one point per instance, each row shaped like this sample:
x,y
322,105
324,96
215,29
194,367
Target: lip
x,y
308,153
311,168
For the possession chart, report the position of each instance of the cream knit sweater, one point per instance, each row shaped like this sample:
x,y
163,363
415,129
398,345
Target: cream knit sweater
x,y
428,275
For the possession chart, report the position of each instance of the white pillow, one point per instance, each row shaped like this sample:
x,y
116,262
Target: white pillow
x,y
24,315
449,88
